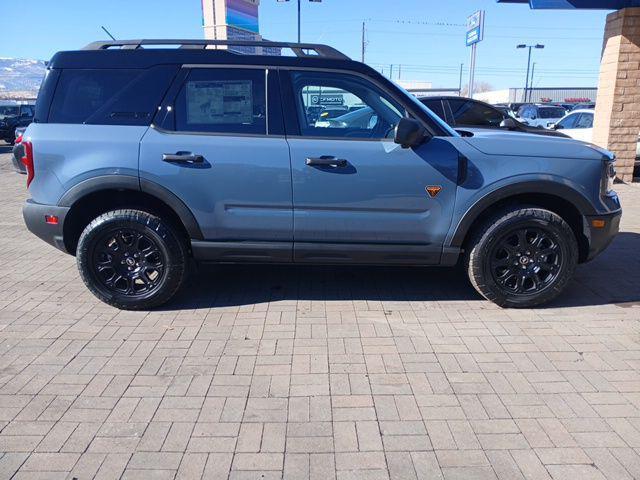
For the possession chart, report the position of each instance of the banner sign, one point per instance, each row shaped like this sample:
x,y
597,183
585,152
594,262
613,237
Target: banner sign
x,y
243,14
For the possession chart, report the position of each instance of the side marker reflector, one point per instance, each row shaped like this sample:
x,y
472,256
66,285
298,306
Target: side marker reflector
x,y
51,219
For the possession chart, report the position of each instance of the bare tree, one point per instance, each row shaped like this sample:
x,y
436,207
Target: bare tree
x,y
478,88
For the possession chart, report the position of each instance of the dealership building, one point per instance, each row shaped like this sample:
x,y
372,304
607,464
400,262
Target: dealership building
x,y
542,95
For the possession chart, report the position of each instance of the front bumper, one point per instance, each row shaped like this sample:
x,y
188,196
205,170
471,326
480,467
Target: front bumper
x,y
601,237
34,217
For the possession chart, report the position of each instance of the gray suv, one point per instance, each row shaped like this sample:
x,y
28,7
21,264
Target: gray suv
x,y
141,159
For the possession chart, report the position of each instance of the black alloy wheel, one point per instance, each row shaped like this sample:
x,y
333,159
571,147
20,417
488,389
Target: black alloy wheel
x,y
128,262
526,261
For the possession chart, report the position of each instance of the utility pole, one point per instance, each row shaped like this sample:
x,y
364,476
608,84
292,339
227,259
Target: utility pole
x,y
399,71
533,71
391,72
299,21
364,40
460,87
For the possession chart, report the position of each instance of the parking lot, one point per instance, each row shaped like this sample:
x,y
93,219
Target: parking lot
x,y
316,372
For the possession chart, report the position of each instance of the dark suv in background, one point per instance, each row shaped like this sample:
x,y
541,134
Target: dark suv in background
x,y
464,113
12,117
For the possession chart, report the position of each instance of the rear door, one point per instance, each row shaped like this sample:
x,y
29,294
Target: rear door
x,y
359,197
219,147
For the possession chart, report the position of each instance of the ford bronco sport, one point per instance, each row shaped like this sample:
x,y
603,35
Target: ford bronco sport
x,y
141,159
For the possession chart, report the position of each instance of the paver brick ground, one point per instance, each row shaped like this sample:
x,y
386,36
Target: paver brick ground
x,y
316,372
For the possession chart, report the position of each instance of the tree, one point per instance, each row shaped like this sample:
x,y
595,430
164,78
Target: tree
x,y
478,88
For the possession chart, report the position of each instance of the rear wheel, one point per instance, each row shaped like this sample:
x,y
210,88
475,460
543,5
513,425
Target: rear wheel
x,y
131,259
522,257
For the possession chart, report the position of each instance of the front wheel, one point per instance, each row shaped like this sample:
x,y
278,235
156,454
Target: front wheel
x,y
131,259
522,257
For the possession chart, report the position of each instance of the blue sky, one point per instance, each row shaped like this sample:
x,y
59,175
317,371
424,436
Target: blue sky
x,y
426,37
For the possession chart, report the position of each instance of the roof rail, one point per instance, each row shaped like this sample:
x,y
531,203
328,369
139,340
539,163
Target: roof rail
x,y
300,49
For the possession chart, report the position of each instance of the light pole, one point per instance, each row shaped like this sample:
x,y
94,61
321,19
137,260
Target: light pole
x,y
526,84
300,14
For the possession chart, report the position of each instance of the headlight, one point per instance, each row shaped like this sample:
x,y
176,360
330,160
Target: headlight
x,y
608,175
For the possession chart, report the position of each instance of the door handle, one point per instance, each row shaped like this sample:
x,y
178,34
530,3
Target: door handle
x,y
182,157
326,161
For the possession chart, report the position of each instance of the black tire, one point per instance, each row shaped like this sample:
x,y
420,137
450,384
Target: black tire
x,y
512,235
131,259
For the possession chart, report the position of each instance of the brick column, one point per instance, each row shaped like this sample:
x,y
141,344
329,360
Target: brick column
x,y
617,118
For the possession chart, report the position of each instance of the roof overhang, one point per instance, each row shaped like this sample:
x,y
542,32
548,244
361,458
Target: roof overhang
x,y
577,4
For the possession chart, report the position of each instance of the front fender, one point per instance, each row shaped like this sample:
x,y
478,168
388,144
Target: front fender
x,y
549,185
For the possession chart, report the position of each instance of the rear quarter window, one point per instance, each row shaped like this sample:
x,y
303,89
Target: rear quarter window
x,y
109,97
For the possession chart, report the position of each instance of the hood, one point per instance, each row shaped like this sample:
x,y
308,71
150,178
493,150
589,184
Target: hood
x,y
516,144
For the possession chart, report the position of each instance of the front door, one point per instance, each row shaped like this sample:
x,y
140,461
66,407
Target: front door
x,y
218,153
359,197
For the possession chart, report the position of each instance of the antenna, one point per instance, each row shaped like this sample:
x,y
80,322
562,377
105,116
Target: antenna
x,y
108,33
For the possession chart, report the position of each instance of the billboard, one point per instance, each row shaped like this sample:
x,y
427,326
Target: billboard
x,y
243,14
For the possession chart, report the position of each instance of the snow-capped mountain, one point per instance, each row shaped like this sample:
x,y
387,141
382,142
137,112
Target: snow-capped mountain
x,y
20,75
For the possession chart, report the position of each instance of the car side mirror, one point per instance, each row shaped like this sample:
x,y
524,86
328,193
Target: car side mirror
x,y
555,126
534,118
508,123
409,133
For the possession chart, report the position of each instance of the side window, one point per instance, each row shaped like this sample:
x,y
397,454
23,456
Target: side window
x,y
466,112
585,121
569,121
335,93
81,93
436,107
27,110
218,100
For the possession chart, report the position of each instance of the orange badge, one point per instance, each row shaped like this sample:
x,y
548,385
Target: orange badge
x,y
433,190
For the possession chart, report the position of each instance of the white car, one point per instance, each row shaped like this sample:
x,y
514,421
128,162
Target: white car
x,y
540,115
578,124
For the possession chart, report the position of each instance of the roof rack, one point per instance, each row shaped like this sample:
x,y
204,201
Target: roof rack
x,y
300,49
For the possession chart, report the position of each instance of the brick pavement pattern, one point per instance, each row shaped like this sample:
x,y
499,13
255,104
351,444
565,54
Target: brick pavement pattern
x,y
316,372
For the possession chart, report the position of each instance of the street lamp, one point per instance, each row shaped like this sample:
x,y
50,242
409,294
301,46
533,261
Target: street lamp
x,y
299,3
526,84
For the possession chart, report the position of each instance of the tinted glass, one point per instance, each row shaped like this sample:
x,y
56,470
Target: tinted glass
x,y
551,112
27,110
585,121
435,106
569,121
466,112
104,97
80,93
376,121
223,101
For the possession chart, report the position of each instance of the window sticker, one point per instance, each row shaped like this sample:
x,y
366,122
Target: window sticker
x,y
220,102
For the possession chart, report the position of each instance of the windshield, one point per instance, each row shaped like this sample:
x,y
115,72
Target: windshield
x,y
552,112
8,110
424,108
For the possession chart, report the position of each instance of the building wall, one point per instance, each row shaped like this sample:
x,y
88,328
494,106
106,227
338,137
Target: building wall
x,y
536,95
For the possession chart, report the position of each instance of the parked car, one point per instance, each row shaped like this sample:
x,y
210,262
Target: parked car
x,y
329,113
141,159
13,116
465,113
584,106
540,115
578,124
18,151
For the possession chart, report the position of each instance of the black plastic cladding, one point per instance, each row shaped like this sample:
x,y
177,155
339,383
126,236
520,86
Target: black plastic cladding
x,y
146,58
